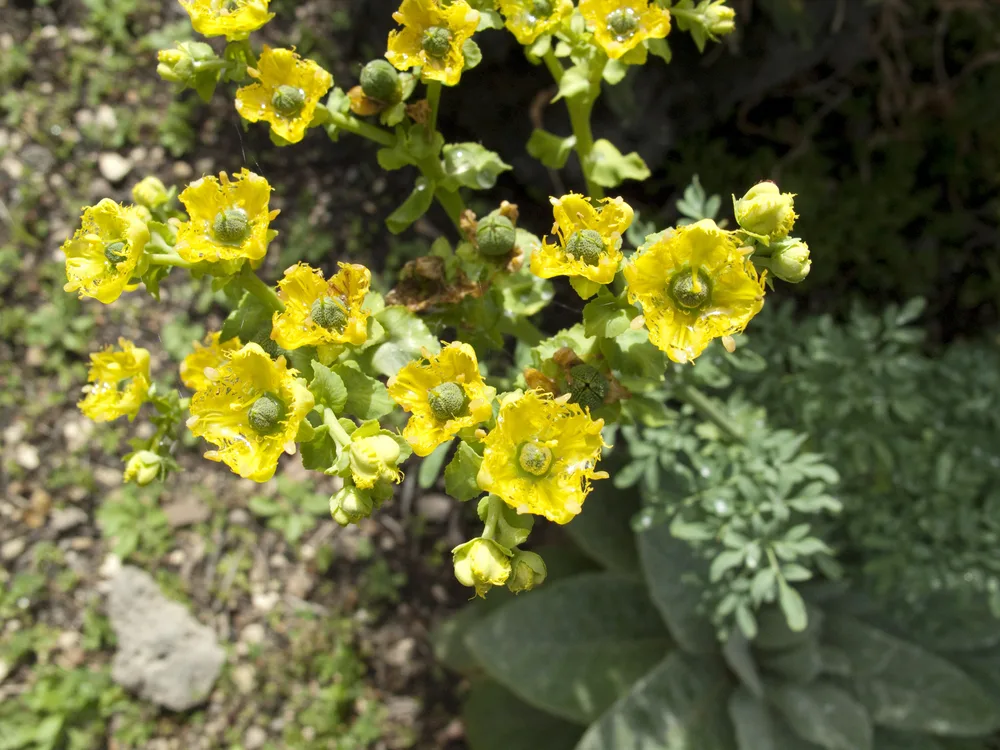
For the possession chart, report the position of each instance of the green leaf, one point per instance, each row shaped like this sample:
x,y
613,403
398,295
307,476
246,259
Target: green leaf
x,y
550,149
741,661
496,719
264,506
607,316
575,81
572,647
610,168
679,705
776,634
669,566
367,398
793,606
405,338
886,739
802,663
460,475
430,467
603,530
328,388
472,54
319,453
472,165
614,72
489,19
660,48
249,321
824,714
752,721
907,688
413,207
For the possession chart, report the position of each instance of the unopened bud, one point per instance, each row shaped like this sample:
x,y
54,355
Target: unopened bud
x,y
527,570
481,564
178,64
766,211
150,192
719,20
790,260
143,467
374,458
496,235
380,81
350,505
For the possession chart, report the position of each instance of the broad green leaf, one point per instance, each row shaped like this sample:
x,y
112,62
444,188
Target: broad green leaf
x,y
471,54
776,634
367,398
887,739
460,474
802,663
607,316
572,647
406,336
319,453
523,292
679,705
550,149
573,82
496,719
676,580
824,714
413,207
430,467
250,321
614,72
448,637
473,166
489,19
907,688
741,661
603,529
752,721
792,606
610,168
328,388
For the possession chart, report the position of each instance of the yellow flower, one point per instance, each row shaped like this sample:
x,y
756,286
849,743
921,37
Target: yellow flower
x,y
104,253
287,91
694,285
444,395
234,19
118,383
432,37
540,458
200,366
228,219
590,240
251,411
622,25
529,19
320,312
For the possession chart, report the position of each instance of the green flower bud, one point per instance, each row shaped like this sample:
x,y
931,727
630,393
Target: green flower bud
x,y
789,260
719,20
231,226
496,235
350,505
481,564
178,64
436,42
587,386
144,467
374,458
527,570
329,313
380,81
288,101
150,192
587,245
266,413
766,211
447,401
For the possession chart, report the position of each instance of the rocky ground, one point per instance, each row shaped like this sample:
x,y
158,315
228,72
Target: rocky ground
x,y
212,612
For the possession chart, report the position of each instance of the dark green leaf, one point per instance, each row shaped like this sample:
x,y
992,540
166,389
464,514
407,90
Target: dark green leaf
x,y
680,705
413,207
460,475
430,467
496,719
673,574
250,321
738,656
886,739
367,398
776,634
472,165
406,336
802,663
607,316
328,388
572,647
550,149
603,529
824,714
752,721
611,168
573,82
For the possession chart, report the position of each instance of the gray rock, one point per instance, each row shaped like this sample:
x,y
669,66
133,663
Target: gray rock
x,y
435,507
164,654
113,167
64,519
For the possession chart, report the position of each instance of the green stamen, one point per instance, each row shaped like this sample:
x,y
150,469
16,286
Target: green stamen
x,y
329,313
266,414
288,100
447,401
587,245
231,226
689,293
623,22
534,459
437,42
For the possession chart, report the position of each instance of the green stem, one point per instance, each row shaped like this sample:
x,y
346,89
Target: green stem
x,y
710,410
167,259
364,129
251,282
453,205
434,100
337,431
492,517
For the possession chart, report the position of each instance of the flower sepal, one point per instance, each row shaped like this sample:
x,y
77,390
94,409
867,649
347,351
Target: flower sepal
x,y
508,527
481,564
527,570
351,505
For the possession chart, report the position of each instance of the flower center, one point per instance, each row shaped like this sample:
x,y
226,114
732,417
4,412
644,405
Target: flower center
x,y
266,413
541,8
447,401
534,459
115,252
436,42
231,226
587,245
623,22
329,313
691,291
288,100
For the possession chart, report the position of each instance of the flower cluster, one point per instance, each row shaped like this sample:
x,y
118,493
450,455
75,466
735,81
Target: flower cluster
x,y
323,366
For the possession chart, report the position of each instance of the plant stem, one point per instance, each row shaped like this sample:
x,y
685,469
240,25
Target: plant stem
x,y
251,282
168,259
710,410
492,517
453,205
337,431
364,129
434,100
